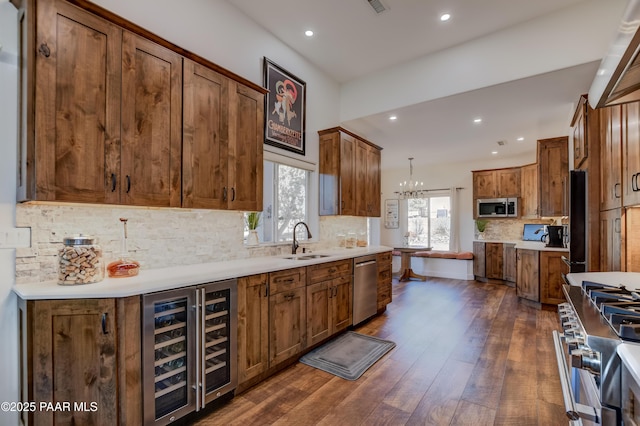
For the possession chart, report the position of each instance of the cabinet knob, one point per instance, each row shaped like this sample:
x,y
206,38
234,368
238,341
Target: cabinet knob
x,y
44,50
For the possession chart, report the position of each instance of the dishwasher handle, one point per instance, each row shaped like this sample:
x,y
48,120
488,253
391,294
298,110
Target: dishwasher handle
x,y
370,262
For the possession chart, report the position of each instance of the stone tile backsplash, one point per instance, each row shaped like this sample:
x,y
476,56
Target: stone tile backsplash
x,y
157,237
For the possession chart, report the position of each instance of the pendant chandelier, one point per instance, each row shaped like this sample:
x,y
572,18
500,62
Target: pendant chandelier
x,y
410,188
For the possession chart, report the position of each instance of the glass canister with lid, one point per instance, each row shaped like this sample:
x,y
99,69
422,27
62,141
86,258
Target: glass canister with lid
x,y
80,261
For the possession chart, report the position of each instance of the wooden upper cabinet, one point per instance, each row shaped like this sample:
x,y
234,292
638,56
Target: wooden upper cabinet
x,y
498,183
579,133
222,142
611,158
631,154
529,191
77,106
205,137
150,169
349,174
553,163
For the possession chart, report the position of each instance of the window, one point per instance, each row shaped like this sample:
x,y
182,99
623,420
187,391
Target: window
x,y
285,203
429,221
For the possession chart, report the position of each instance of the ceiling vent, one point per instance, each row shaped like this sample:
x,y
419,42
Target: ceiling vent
x,y
501,143
377,6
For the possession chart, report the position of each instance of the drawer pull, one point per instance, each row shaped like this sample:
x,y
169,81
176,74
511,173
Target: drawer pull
x,y
104,324
332,270
285,280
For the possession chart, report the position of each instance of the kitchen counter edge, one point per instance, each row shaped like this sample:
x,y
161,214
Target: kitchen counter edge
x,y
526,245
153,280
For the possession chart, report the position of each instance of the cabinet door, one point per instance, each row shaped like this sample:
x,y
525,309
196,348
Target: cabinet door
x,y
494,262
253,330
329,176
510,268
287,324
553,160
77,105
362,183
484,184
347,175
373,182
527,284
479,260
610,158
341,305
529,191
579,133
318,308
632,239
551,270
151,124
246,138
205,138
383,262
74,359
631,154
610,240
508,181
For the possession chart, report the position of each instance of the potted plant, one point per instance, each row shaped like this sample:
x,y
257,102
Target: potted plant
x,y
253,221
481,225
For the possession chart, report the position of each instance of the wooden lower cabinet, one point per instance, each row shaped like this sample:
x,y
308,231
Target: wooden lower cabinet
x,y
383,262
329,308
479,260
527,283
81,351
287,314
494,262
253,329
611,240
552,267
510,266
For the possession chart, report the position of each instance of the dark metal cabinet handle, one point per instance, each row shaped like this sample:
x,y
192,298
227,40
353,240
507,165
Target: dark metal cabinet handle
x,y
44,50
615,190
128,184
104,324
233,194
113,182
266,290
332,270
634,182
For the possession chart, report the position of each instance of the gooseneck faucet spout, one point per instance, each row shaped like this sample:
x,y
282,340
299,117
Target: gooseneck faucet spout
x,y
295,245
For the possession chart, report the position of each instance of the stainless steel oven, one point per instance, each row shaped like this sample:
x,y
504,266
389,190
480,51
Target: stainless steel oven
x,y
189,349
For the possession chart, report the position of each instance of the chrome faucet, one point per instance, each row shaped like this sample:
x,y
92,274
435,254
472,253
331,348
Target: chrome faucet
x,y
295,245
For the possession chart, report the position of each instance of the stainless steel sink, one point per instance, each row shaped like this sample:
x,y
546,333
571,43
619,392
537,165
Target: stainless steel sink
x,y
306,257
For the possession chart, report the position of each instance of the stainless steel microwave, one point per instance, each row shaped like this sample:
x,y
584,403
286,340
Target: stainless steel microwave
x,y
497,207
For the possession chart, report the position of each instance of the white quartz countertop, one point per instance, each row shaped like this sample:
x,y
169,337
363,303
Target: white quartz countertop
x,y
152,280
631,280
527,245
630,355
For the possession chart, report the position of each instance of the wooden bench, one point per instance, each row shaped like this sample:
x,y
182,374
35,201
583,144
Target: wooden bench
x,y
443,264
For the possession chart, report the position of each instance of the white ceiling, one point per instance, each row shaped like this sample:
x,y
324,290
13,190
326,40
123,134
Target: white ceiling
x,y
352,42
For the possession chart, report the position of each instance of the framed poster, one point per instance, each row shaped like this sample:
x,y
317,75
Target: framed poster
x,y
285,108
391,217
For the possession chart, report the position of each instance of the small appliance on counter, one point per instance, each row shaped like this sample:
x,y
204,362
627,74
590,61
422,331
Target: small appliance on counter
x,y
533,232
554,237
123,266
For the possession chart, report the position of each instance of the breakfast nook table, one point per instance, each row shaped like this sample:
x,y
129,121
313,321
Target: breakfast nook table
x,y
405,262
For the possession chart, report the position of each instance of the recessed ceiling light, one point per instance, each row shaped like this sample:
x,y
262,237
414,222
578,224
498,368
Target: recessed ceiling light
x,y
477,120
308,33
445,17
520,139
393,117
494,152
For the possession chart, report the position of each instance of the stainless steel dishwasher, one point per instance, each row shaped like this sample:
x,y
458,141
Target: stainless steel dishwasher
x,y
365,288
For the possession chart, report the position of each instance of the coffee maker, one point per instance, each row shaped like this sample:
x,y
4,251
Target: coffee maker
x,y
554,236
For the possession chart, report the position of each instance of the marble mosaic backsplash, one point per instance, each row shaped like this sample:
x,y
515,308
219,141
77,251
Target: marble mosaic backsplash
x,y
157,237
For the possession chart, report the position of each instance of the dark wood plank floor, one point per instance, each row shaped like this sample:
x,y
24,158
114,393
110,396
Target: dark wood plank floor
x,y
467,354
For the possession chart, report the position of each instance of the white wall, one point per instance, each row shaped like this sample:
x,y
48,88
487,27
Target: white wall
x,y
8,131
443,176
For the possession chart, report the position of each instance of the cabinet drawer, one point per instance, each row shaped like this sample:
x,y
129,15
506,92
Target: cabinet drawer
x,y
328,271
384,274
288,279
383,258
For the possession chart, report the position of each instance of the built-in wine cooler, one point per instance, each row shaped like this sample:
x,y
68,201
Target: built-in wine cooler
x,y
189,349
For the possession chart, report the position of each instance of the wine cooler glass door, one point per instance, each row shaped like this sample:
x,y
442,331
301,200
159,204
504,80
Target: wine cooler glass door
x,y
169,356
219,312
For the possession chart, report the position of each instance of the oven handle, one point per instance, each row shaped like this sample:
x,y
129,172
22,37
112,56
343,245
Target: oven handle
x,y
574,411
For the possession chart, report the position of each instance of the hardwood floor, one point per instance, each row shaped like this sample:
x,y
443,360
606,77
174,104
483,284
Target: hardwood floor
x,y
467,354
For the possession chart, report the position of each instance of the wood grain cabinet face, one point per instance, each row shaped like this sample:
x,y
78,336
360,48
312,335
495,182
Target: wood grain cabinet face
x,y
529,191
384,262
508,181
510,267
253,326
631,154
579,133
82,350
611,240
494,260
528,282
552,267
287,314
611,158
479,260
553,161
349,175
